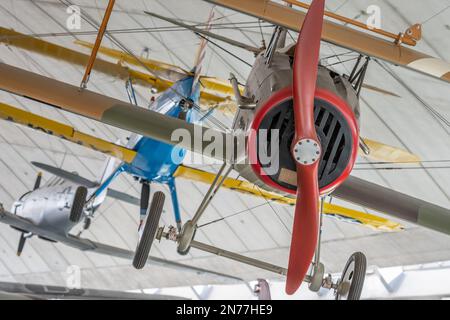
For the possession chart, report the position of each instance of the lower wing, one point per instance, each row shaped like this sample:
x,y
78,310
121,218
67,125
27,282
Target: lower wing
x,y
395,204
342,213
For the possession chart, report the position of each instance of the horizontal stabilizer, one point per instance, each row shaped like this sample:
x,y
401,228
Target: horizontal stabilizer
x,y
66,175
122,196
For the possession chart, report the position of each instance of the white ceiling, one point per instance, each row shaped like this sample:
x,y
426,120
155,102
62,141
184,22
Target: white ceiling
x,y
261,230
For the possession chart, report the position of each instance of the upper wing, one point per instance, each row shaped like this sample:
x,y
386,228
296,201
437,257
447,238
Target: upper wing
x,y
343,36
163,70
19,40
170,72
395,204
345,214
66,132
88,245
166,74
111,111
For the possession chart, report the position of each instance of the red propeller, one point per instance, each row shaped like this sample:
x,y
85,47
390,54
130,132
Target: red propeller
x,y
306,148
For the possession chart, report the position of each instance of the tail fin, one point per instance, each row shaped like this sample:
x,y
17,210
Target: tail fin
x,y
201,53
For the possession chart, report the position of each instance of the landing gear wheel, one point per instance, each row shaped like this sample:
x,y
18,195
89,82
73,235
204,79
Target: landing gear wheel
x,y
352,280
186,236
149,231
87,223
79,200
317,278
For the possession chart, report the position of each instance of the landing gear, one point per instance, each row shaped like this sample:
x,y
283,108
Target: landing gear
x,y
189,229
22,240
87,223
350,285
185,238
147,234
145,197
79,200
352,280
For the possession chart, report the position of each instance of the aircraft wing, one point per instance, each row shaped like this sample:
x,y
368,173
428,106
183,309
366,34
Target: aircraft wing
x,y
89,245
378,151
395,204
65,132
164,75
111,111
341,213
19,40
161,69
27,291
213,90
343,36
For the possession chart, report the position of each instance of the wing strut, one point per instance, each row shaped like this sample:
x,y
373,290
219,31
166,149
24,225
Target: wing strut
x,y
98,41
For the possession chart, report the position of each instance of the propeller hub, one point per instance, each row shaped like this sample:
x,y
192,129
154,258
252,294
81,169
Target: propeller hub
x,y
306,151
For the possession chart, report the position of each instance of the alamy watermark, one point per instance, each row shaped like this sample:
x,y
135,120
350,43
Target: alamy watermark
x,y
374,19
217,146
73,277
73,22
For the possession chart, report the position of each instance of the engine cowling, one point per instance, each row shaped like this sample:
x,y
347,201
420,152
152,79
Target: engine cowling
x,y
337,129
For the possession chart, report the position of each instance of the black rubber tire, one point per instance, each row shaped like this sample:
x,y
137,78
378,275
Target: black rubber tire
x,y
150,228
87,223
79,200
359,275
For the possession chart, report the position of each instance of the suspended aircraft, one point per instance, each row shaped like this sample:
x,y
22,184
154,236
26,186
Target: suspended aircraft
x,y
51,211
290,96
147,160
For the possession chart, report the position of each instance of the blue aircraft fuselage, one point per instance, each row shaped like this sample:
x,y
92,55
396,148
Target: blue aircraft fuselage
x,y
157,161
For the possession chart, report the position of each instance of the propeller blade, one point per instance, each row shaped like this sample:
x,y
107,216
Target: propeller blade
x,y
37,183
306,148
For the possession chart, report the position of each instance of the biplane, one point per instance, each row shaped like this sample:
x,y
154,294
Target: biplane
x,y
312,110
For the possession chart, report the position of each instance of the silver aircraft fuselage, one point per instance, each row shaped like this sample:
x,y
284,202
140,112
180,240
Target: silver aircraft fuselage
x,y
49,206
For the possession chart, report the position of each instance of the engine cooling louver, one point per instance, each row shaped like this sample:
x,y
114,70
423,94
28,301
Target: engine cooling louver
x,y
334,135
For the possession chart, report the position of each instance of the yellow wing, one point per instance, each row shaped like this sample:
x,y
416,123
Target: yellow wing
x,y
66,132
218,95
161,68
336,211
385,153
213,86
19,40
